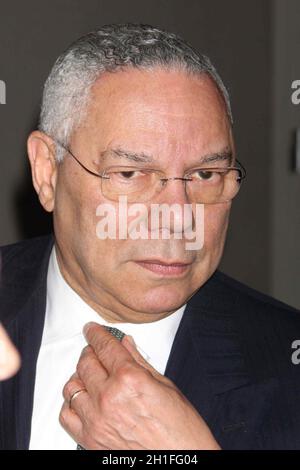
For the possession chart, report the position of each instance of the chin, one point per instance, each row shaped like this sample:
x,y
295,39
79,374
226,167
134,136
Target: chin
x,y
167,300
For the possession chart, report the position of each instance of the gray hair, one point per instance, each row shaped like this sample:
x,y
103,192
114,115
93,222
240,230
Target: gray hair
x,y
111,48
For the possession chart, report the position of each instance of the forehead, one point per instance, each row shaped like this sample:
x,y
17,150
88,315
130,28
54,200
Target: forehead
x,y
159,109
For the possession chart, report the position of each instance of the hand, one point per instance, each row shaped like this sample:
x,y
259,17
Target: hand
x,y
127,403
9,357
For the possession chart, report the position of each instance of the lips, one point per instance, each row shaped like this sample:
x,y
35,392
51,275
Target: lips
x,y
167,268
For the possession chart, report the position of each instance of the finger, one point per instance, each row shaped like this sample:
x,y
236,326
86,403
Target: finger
x,y
91,372
74,383
89,364
75,428
71,422
129,344
81,403
110,352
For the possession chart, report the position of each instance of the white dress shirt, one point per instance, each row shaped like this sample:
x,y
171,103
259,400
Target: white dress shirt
x,y
62,343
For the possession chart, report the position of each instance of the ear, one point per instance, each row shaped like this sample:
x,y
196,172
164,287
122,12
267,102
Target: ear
x,y
41,153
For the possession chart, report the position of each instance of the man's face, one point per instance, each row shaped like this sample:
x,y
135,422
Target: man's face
x,y
176,119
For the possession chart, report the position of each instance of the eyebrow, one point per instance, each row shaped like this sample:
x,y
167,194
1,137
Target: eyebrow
x,y
224,155
141,157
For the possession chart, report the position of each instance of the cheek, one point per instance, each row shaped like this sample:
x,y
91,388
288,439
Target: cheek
x,y
75,209
216,219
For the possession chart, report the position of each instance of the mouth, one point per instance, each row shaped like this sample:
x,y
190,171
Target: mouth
x,y
165,268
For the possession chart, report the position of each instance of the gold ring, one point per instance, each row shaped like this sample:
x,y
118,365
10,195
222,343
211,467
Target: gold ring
x,y
75,394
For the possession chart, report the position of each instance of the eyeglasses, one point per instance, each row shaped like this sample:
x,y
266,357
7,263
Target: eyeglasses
x,y
207,185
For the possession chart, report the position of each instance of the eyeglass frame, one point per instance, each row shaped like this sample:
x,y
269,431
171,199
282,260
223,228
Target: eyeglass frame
x,y
241,169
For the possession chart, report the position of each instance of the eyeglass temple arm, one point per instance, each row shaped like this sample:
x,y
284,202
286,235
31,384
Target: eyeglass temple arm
x,y
243,170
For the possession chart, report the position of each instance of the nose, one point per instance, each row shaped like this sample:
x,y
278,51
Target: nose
x,y
174,191
171,211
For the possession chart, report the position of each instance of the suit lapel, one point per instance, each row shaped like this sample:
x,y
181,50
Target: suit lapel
x,y
25,326
205,360
208,366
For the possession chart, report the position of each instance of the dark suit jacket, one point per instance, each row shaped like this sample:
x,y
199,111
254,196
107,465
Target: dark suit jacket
x,y
231,356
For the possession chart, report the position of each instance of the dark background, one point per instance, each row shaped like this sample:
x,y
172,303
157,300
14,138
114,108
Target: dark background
x,y
255,46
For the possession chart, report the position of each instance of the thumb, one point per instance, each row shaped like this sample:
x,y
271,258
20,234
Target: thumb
x,y
129,343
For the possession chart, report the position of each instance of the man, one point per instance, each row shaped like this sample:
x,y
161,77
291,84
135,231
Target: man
x,y
133,120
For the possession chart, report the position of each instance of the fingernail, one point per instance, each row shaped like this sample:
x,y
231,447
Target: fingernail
x,y
86,327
